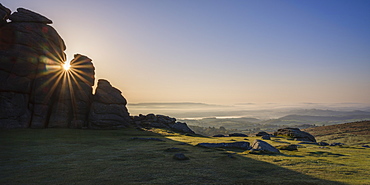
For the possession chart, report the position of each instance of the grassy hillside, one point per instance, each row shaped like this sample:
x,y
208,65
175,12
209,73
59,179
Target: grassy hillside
x,y
65,156
355,133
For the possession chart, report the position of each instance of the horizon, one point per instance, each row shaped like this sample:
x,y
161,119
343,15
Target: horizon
x,y
219,52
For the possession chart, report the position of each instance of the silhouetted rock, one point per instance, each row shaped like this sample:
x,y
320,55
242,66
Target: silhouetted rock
x,y
36,92
237,135
237,145
4,14
295,133
108,109
259,146
24,15
31,54
161,121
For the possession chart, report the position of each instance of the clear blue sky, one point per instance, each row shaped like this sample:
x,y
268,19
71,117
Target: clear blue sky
x,y
220,51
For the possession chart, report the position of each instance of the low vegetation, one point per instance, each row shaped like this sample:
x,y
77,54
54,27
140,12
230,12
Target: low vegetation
x,y
69,156
355,133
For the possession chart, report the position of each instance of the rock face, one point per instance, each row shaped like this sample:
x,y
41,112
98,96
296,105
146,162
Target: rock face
x,y
108,109
31,54
296,134
160,121
35,90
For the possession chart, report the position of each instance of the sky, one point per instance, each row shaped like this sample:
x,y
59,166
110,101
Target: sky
x,y
220,51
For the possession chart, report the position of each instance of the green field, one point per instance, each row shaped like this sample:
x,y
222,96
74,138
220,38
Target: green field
x,y
66,156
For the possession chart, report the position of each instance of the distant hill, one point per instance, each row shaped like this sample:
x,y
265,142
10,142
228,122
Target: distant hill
x,y
348,133
358,128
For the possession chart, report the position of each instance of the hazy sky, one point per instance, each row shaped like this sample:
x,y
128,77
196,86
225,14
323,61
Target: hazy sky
x,y
220,51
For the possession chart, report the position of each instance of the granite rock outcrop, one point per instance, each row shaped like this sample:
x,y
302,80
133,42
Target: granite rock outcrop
x,y
108,109
296,134
31,53
161,121
35,90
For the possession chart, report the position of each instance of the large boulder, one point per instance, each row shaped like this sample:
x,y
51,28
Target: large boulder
x,y
262,133
108,109
259,146
296,134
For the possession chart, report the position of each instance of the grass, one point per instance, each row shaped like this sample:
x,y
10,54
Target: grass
x,y
70,156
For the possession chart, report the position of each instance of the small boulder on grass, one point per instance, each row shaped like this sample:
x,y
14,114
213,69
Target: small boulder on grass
x,y
323,143
219,135
262,133
266,137
288,147
238,135
180,157
262,147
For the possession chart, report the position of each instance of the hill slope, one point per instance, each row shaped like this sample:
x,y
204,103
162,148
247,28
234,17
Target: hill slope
x,y
348,133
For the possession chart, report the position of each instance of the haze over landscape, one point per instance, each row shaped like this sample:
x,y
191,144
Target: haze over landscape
x,y
221,52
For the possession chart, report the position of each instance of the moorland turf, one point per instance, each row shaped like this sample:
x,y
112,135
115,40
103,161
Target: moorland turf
x,y
70,156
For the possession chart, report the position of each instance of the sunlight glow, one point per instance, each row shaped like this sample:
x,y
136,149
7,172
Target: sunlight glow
x,y
66,66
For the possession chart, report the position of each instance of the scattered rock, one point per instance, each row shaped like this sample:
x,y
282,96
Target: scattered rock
x,y
263,147
296,134
288,147
266,137
236,145
323,143
324,147
262,133
180,157
337,144
308,143
238,135
146,139
219,135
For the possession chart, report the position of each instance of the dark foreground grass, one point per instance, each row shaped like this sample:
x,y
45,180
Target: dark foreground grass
x,y
66,156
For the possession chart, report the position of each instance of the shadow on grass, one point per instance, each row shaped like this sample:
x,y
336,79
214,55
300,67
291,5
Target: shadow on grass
x,y
64,156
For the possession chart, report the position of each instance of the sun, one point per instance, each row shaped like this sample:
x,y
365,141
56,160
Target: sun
x,y
66,66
